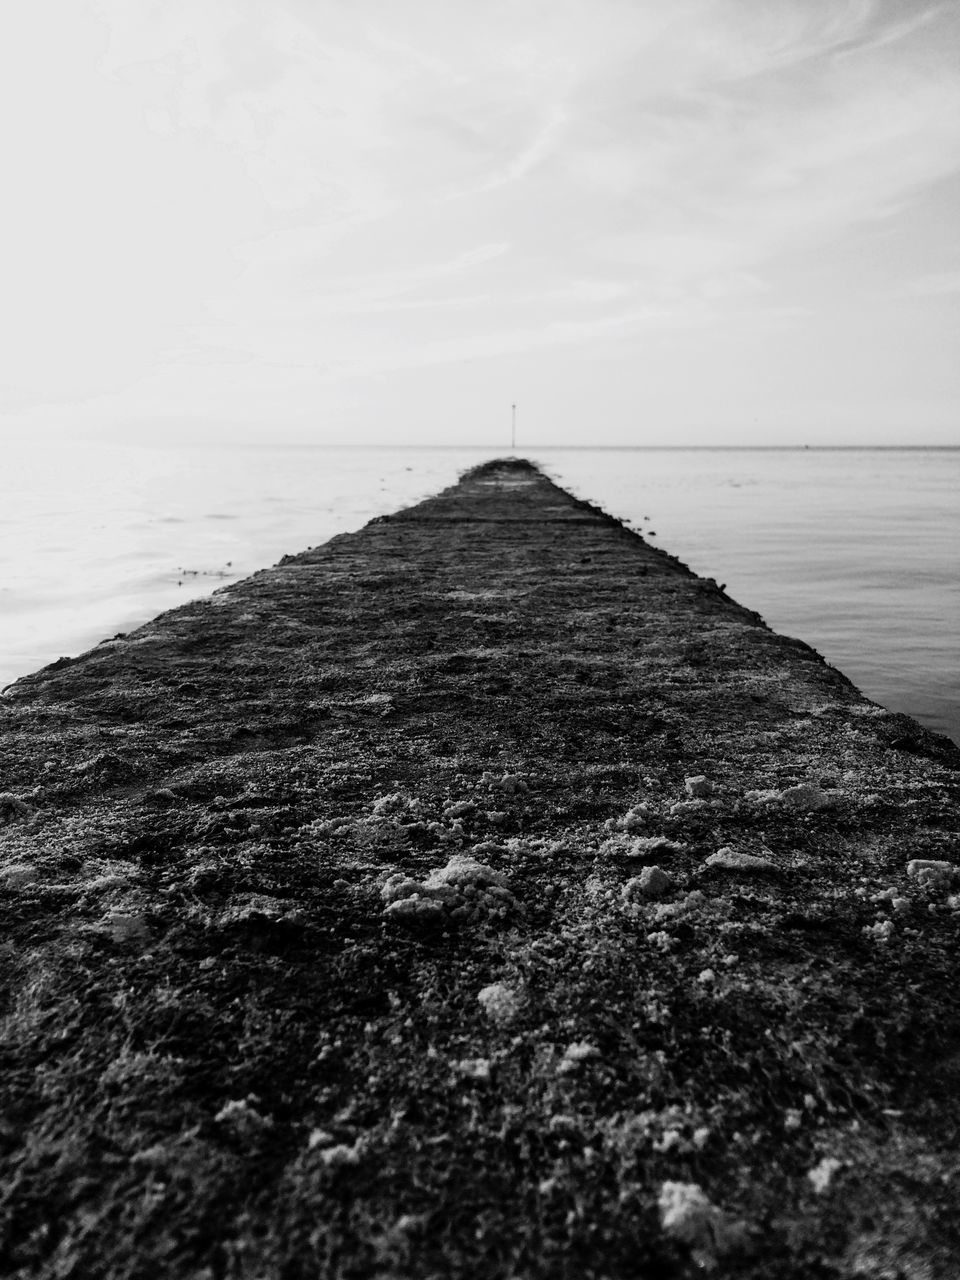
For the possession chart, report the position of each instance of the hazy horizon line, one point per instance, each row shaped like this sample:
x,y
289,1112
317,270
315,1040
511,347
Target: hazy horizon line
x,y
517,451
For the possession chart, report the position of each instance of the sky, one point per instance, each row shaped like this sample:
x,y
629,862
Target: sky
x,y
387,221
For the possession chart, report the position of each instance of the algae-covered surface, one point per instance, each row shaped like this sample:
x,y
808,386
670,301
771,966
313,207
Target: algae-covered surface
x,y
480,894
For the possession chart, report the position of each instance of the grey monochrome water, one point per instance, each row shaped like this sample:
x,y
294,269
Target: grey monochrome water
x,y
855,551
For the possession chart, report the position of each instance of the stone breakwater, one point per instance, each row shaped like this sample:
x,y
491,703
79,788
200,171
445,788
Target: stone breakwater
x,y
478,894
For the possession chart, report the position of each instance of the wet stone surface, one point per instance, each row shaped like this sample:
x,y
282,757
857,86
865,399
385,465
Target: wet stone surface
x,y
478,894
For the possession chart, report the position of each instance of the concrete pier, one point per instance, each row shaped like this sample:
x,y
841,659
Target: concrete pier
x,y
480,894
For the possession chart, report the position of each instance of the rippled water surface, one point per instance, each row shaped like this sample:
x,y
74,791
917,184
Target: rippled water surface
x,y
855,551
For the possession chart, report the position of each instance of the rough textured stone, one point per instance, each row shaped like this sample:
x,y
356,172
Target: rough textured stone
x,y
221,1056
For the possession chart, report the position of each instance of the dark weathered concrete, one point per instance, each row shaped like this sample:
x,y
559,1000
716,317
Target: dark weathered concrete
x,y
334,943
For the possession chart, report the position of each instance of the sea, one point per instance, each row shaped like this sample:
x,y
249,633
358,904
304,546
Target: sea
x,y
855,551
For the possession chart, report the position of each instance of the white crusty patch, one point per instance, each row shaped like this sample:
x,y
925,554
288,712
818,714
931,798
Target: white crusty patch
x,y
699,787
821,1175
881,931
639,846
635,819
931,873
730,859
576,1053
652,882
803,798
474,1068
688,1215
464,891
500,1002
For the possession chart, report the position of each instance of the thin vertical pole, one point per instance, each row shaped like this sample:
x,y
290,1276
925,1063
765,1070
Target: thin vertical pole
x,y
513,426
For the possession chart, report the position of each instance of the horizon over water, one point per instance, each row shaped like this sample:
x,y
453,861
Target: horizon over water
x,y
855,550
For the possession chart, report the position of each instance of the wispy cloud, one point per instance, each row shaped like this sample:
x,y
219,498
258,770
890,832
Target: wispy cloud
x,y
712,116
395,183
935,284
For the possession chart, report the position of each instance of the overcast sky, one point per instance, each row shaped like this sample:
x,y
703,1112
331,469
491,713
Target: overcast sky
x,y
644,221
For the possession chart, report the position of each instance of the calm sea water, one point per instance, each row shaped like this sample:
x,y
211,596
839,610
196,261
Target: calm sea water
x,y
855,551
